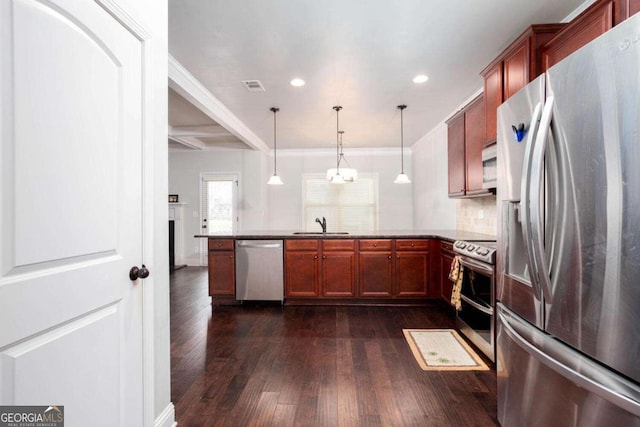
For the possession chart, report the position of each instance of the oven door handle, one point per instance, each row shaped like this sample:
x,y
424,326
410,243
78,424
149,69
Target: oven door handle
x,y
477,306
474,265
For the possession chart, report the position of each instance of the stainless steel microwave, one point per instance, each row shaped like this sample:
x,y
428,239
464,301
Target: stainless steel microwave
x,y
489,166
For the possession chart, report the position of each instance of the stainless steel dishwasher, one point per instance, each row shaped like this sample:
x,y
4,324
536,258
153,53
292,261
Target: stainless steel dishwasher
x,y
259,270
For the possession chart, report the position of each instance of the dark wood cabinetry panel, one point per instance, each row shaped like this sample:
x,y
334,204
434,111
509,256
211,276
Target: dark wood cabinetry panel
x,y
413,271
516,69
455,153
302,274
492,100
633,7
222,274
339,263
591,23
376,274
474,122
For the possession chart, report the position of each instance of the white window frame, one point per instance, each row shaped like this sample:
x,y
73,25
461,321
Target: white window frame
x,y
215,176
372,176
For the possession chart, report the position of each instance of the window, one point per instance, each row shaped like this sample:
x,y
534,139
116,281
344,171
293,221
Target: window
x,y
348,207
219,204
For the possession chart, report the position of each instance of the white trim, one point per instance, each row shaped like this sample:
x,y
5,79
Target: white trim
x,y
380,151
186,85
166,417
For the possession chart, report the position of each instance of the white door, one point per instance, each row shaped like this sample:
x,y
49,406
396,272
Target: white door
x,y
219,212
71,172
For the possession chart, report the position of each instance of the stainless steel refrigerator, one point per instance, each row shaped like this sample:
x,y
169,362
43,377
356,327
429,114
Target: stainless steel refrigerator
x,y
568,282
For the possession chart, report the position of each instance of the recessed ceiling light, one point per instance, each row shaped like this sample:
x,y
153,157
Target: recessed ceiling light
x,y
297,82
420,78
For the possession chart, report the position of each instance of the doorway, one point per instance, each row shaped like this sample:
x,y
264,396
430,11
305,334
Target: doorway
x,y
218,207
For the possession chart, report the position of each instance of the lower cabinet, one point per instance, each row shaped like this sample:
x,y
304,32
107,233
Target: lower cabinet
x,y
320,268
395,268
446,258
222,271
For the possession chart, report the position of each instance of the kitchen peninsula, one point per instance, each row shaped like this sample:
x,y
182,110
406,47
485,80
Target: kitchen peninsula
x,y
407,267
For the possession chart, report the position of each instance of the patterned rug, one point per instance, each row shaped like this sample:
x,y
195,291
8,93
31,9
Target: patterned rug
x,y
442,350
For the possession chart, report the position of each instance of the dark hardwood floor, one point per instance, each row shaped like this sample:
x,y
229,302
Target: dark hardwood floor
x,y
267,365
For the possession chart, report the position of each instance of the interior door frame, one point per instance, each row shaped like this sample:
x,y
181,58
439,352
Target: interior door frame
x,y
149,236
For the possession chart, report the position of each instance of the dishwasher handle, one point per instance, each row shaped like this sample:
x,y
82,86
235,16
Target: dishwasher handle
x,y
259,243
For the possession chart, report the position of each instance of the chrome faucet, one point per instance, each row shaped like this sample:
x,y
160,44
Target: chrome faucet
x,y
322,223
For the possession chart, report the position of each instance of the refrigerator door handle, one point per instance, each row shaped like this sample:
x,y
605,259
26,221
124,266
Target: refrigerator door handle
x,y
570,364
524,192
536,188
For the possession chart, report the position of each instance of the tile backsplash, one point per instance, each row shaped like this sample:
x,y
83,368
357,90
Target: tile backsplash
x,y
477,215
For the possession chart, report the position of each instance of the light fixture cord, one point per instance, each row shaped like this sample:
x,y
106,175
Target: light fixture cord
x,y
401,107
275,143
337,108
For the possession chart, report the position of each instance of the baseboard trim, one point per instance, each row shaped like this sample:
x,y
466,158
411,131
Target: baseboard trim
x,y
167,418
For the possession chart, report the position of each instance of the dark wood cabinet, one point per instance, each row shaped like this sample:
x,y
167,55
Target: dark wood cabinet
x,y
395,268
465,143
376,270
473,144
514,68
413,268
455,154
222,269
591,23
339,264
446,258
302,268
320,268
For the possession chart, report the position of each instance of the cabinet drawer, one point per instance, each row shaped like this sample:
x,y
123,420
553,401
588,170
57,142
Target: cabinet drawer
x,y
412,245
375,245
339,245
301,245
446,246
220,244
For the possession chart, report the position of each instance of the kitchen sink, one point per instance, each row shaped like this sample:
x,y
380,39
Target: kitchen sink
x,y
316,233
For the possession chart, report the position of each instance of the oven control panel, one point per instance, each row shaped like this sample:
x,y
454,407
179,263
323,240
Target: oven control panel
x,y
482,251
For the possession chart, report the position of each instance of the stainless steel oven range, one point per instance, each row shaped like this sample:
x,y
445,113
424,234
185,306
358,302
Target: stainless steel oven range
x,y
475,319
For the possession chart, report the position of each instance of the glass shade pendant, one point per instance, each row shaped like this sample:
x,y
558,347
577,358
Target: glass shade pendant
x,y
340,175
275,179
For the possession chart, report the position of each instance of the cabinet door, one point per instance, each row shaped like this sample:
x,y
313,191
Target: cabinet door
x,y
222,273
376,274
587,26
456,155
516,69
412,274
474,121
492,100
338,274
301,274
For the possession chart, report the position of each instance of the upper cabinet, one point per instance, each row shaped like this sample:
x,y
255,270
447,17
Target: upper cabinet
x,y
517,65
466,136
599,18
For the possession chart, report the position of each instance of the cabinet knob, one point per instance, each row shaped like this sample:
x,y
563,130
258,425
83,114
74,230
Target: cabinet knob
x,y
324,257
375,245
413,244
398,256
389,257
219,245
315,257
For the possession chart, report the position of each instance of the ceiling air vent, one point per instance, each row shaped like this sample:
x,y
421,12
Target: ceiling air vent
x,y
253,85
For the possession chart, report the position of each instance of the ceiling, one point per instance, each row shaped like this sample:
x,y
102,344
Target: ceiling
x,y
360,54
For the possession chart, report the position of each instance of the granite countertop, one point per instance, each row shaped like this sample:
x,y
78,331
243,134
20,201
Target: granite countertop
x,y
450,235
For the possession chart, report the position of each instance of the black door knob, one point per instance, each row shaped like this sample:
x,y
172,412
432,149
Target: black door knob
x,y
138,273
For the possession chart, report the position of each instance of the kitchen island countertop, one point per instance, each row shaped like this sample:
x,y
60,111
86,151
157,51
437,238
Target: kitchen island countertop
x,y
450,235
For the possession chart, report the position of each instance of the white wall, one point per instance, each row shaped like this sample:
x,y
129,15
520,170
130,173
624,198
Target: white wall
x,y
432,208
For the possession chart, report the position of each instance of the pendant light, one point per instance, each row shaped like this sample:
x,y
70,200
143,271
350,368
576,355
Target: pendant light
x,y
275,179
340,175
348,174
402,177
